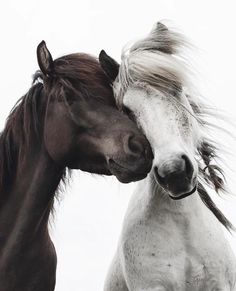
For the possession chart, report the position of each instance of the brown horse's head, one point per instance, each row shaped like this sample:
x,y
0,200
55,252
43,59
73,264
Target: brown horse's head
x,y
83,128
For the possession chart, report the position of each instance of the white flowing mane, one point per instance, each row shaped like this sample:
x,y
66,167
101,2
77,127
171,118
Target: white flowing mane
x,y
157,61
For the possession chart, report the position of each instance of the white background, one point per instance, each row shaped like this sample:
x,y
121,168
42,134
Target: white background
x,y
89,217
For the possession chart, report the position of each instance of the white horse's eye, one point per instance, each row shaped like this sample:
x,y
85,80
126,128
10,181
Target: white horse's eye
x,y
128,112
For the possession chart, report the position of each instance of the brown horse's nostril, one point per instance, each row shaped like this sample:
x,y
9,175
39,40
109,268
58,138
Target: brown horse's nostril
x,y
134,145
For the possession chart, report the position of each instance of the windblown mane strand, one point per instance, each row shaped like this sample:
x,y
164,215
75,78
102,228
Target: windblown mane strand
x,y
157,61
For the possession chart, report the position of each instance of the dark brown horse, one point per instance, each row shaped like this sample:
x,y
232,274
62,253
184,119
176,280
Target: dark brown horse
x,y
68,119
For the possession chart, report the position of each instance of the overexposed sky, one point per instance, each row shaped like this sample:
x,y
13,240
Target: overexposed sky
x,y
89,217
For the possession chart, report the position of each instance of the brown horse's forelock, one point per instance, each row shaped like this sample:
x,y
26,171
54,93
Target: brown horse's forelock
x,y
78,72
82,74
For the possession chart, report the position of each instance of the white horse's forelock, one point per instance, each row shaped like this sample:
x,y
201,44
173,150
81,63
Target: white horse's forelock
x,y
156,60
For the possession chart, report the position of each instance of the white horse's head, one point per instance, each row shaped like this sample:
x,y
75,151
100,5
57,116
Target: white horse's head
x,y
172,133
152,87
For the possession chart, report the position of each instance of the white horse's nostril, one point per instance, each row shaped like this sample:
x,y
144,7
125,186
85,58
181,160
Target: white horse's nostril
x,y
171,166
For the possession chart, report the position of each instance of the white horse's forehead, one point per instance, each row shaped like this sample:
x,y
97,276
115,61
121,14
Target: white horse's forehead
x,y
141,99
163,120
134,97
153,111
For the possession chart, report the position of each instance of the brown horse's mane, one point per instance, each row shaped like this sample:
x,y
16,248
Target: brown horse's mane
x,y
22,125
80,74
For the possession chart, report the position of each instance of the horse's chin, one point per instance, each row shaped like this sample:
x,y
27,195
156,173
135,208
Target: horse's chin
x,y
131,177
183,195
124,174
178,195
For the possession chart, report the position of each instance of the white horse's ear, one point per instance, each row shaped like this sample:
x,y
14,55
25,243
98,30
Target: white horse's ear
x,y
109,65
163,39
45,60
161,27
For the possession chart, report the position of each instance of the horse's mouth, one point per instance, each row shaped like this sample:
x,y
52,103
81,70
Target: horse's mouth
x,y
177,193
125,174
184,195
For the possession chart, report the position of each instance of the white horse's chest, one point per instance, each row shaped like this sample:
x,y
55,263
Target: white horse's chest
x,y
174,252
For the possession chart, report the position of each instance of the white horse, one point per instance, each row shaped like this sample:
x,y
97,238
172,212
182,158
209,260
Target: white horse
x,y
169,243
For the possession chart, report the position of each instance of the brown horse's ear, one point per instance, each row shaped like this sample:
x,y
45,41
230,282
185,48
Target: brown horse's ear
x,y
109,65
45,60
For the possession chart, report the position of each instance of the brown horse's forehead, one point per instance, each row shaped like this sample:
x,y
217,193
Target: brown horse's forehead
x,y
83,74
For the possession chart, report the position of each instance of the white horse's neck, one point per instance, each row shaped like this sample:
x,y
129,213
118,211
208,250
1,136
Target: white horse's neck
x,y
188,215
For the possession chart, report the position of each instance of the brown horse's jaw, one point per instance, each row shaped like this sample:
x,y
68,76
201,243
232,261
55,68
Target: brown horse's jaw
x,y
125,174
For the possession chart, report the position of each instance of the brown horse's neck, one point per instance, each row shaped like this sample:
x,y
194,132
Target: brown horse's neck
x,y
25,212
